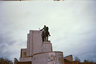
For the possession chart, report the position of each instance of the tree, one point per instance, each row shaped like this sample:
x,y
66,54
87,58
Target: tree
x,y
89,62
77,59
5,61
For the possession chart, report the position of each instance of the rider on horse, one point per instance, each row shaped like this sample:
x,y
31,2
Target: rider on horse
x,y
45,33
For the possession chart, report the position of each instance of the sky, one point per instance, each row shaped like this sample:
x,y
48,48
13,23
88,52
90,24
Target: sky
x,y
71,24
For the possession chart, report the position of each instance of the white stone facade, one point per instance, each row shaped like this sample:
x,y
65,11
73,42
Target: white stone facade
x,y
46,47
48,58
39,52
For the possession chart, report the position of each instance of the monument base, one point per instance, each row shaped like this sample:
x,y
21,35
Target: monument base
x,y
39,52
55,57
46,46
48,58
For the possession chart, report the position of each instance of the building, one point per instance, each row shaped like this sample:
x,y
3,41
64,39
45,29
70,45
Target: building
x,y
39,52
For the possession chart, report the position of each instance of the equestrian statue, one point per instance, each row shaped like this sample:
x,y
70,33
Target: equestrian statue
x,y
45,33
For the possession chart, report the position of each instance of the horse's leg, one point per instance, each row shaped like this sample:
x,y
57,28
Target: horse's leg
x,y
44,38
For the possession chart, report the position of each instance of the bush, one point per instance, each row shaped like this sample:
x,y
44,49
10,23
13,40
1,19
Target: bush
x,y
5,61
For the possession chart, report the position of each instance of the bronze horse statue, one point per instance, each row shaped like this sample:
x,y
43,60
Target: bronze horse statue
x,y
45,33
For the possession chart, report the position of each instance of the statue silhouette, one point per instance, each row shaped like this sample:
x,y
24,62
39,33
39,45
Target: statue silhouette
x,y
45,33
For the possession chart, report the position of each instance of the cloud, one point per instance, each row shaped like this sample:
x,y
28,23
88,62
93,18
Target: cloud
x,y
71,24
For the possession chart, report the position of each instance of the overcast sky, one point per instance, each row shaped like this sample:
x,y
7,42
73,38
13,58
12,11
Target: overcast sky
x,y
72,25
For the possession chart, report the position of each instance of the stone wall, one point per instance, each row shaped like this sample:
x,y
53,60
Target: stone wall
x,y
39,52
48,58
47,47
34,42
69,58
23,53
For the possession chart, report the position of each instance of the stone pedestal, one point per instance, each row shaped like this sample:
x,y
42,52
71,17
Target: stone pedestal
x,y
47,47
48,58
38,52
26,59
